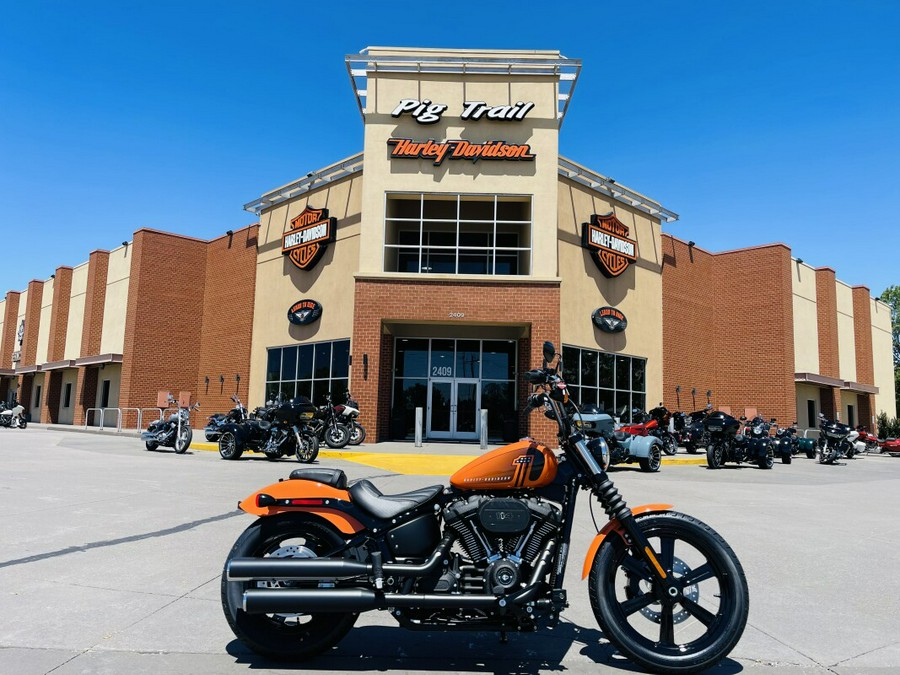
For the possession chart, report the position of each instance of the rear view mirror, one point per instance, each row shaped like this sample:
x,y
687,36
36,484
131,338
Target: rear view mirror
x,y
773,420
549,351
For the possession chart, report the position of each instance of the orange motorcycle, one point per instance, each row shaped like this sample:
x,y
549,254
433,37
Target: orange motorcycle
x,y
488,553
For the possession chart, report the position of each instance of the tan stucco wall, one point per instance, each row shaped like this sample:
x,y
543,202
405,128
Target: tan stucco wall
x,y
806,325
848,398
846,335
75,325
279,283
112,339
113,373
536,178
35,410
637,292
66,415
805,392
44,330
882,355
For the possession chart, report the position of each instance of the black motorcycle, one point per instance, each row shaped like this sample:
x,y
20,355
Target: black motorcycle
x,y
834,440
690,431
787,440
215,422
276,430
758,431
727,444
173,432
329,426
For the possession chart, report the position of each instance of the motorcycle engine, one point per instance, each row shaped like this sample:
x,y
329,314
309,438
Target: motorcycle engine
x,y
275,439
500,535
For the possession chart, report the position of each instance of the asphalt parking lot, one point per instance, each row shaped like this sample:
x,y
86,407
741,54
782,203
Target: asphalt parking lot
x,y
111,556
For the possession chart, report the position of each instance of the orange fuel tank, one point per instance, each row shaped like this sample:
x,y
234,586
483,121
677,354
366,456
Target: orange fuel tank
x,y
524,464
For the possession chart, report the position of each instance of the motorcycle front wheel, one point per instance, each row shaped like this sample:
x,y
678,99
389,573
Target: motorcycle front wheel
x,y
715,456
683,634
767,461
308,449
22,423
357,434
183,440
337,436
669,445
283,636
229,446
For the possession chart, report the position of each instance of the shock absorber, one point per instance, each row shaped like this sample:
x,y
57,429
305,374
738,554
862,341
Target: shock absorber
x,y
611,501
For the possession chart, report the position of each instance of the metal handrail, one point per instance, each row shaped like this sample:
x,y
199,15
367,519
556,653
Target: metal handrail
x,y
118,418
87,416
122,414
159,410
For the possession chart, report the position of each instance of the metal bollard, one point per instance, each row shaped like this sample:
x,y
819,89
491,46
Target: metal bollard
x,y
484,428
418,427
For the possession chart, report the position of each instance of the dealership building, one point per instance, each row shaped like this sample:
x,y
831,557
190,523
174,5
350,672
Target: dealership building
x,y
427,271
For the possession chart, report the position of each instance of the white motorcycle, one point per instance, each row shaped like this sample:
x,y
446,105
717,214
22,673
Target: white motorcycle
x,y
13,417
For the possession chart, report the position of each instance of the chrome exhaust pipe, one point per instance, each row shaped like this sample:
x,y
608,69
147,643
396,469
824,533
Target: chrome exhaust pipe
x,y
297,601
248,569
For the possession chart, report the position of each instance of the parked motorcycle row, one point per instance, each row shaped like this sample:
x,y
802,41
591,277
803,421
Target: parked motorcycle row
x,y
286,427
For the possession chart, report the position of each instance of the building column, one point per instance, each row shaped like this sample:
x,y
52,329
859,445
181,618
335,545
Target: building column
x,y
50,404
85,394
24,394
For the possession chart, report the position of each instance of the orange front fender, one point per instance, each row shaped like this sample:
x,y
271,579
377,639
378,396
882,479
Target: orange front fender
x,y
310,497
615,525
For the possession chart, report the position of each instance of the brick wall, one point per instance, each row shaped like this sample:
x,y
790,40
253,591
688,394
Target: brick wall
x,y
10,326
59,314
826,308
163,318
94,303
532,304
227,320
32,322
728,327
85,394
862,334
52,391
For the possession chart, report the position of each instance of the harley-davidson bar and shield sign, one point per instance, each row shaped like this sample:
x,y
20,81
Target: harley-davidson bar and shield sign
x,y
606,237
309,236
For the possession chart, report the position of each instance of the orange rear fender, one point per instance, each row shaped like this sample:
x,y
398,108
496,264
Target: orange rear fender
x,y
615,525
303,496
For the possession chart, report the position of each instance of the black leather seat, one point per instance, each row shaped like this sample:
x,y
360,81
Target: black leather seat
x,y
369,498
336,478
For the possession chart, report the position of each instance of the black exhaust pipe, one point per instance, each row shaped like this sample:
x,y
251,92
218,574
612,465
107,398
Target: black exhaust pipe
x,y
247,569
296,601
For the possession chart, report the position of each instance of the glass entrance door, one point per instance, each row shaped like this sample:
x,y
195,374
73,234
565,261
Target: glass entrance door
x,y
453,409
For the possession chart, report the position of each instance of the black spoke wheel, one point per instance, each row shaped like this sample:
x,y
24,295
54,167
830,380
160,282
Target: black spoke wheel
x,y
308,449
669,446
337,436
651,463
715,456
229,446
284,636
690,629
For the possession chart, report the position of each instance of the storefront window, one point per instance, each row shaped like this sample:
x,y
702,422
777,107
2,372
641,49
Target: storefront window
x,y
457,234
310,370
615,383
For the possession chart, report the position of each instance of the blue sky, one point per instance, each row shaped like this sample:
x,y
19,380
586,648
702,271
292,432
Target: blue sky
x,y
756,123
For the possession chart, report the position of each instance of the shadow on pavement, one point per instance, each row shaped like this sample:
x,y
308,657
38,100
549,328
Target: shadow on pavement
x,y
385,648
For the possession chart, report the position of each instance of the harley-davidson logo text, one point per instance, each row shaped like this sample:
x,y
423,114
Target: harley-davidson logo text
x,y
438,151
309,236
606,237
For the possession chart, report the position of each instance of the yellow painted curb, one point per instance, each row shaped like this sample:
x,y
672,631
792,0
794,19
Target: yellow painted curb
x,y
423,464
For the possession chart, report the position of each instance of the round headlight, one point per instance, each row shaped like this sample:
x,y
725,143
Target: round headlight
x,y
600,450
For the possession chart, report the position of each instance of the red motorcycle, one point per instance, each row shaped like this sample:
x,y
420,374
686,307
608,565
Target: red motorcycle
x,y
871,440
487,553
653,423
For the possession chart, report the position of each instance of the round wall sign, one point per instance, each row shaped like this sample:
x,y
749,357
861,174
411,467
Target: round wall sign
x,y
304,312
609,320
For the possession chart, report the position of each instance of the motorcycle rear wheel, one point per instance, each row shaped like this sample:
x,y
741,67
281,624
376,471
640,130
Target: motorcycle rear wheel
x,y
708,618
283,636
652,463
151,445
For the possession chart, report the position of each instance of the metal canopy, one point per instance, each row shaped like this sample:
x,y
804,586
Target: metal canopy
x,y
359,66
